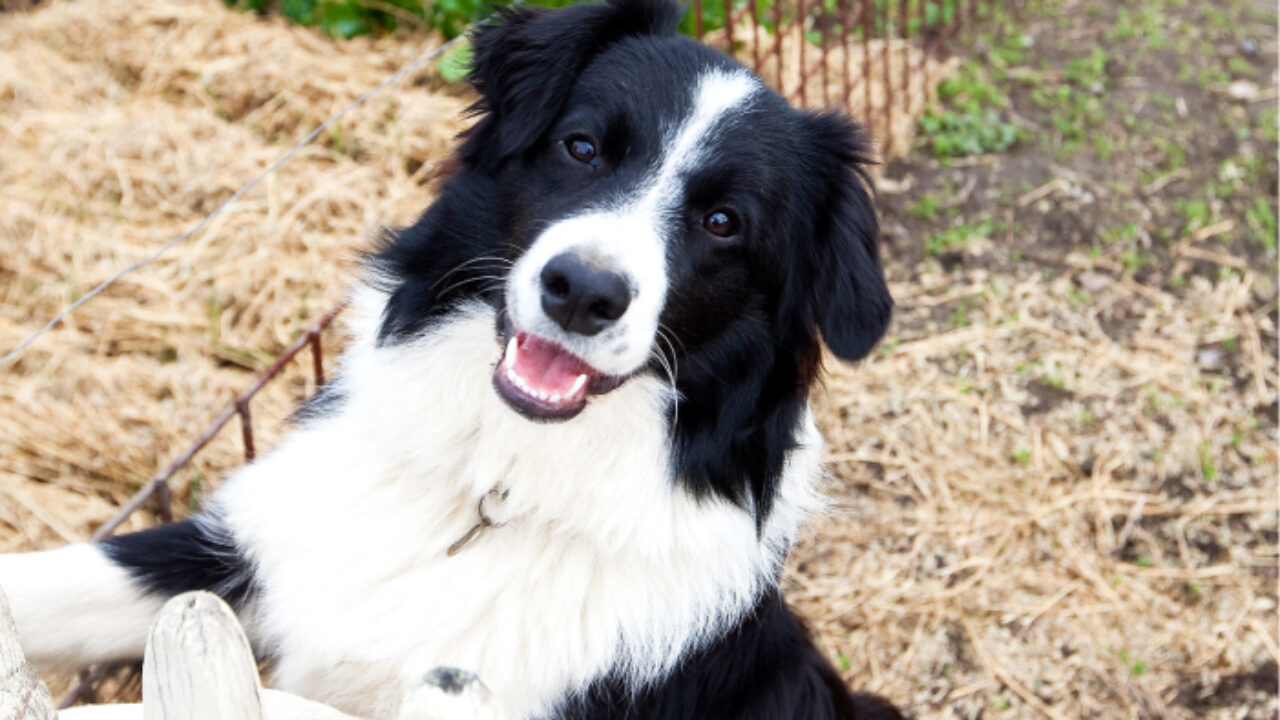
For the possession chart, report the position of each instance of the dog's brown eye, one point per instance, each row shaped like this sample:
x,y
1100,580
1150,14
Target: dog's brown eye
x,y
721,223
581,149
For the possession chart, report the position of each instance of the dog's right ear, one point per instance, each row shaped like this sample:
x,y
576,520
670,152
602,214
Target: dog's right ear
x,y
525,64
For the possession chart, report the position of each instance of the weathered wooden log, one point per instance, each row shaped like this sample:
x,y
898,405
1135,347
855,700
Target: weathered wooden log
x,y
198,665
23,696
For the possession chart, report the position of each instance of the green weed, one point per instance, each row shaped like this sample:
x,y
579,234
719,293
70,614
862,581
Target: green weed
x,y
1088,71
968,119
958,238
1134,261
1124,232
957,134
1196,213
1207,468
926,208
1263,221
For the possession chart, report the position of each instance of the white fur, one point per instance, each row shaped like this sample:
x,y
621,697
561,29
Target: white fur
x,y
604,563
73,607
628,238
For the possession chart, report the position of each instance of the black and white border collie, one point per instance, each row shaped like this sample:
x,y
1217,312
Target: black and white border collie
x,y
598,346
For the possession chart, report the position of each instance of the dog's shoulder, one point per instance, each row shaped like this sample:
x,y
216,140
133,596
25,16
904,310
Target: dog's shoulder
x,y
763,668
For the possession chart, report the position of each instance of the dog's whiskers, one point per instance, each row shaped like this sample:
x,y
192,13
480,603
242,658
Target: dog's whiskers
x,y
671,336
468,280
672,367
490,262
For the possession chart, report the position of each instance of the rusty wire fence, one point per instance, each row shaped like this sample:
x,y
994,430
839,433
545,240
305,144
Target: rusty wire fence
x,y
878,60
875,59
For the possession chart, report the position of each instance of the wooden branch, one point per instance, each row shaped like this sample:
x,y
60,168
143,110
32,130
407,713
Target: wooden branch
x,y
23,696
198,665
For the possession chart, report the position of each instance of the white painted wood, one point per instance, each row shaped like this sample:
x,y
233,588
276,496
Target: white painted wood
x,y
198,665
450,694
23,696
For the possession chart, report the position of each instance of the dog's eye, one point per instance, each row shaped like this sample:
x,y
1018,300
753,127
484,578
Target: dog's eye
x,y
721,223
581,148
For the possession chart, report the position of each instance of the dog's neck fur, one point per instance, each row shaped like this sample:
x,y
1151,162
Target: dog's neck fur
x,y
603,553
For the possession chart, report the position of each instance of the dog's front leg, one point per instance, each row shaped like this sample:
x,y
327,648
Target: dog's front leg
x,y
92,603
74,607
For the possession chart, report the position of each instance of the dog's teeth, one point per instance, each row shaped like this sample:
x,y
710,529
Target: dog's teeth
x,y
555,398
577,385
513,351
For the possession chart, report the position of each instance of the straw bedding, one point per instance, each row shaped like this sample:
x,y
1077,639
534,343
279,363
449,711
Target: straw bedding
x,y
124,124
1035,513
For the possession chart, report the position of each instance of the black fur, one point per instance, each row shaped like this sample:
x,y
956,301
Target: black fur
x,y
184,556
327,401
431,265
526,64
764,669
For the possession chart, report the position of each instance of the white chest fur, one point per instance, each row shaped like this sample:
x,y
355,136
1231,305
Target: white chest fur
x,y
604,563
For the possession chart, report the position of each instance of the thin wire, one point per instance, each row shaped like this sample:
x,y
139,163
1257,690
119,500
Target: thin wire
x,y
421,60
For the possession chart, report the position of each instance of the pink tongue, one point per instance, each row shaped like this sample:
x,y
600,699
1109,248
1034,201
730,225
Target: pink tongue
x,y
546,367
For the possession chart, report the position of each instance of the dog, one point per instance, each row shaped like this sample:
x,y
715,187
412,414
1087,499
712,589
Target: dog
x,y
569,446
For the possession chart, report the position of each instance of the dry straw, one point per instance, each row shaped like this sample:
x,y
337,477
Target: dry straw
x,y
1056,502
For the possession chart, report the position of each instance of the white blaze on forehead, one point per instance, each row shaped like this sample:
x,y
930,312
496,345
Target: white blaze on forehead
x,y
716,94
629,235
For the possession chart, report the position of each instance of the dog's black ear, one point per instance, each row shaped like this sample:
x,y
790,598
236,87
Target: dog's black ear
x,y
850,300
525,64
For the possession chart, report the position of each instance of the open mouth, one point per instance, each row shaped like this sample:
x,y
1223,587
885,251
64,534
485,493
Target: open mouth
x,y
543,380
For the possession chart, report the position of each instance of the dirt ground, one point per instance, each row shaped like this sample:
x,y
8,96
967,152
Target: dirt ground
x,y
1060,472
1055,484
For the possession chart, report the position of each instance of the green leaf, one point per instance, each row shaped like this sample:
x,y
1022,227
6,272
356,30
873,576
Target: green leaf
x,y
455,66
302,12
343,20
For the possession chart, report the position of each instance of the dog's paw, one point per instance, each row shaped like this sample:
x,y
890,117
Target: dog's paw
x,y
450,694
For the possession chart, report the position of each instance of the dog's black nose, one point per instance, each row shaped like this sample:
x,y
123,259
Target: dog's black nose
x,y
582,297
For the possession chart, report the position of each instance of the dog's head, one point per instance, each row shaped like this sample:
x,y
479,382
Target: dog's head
x,y
636,202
